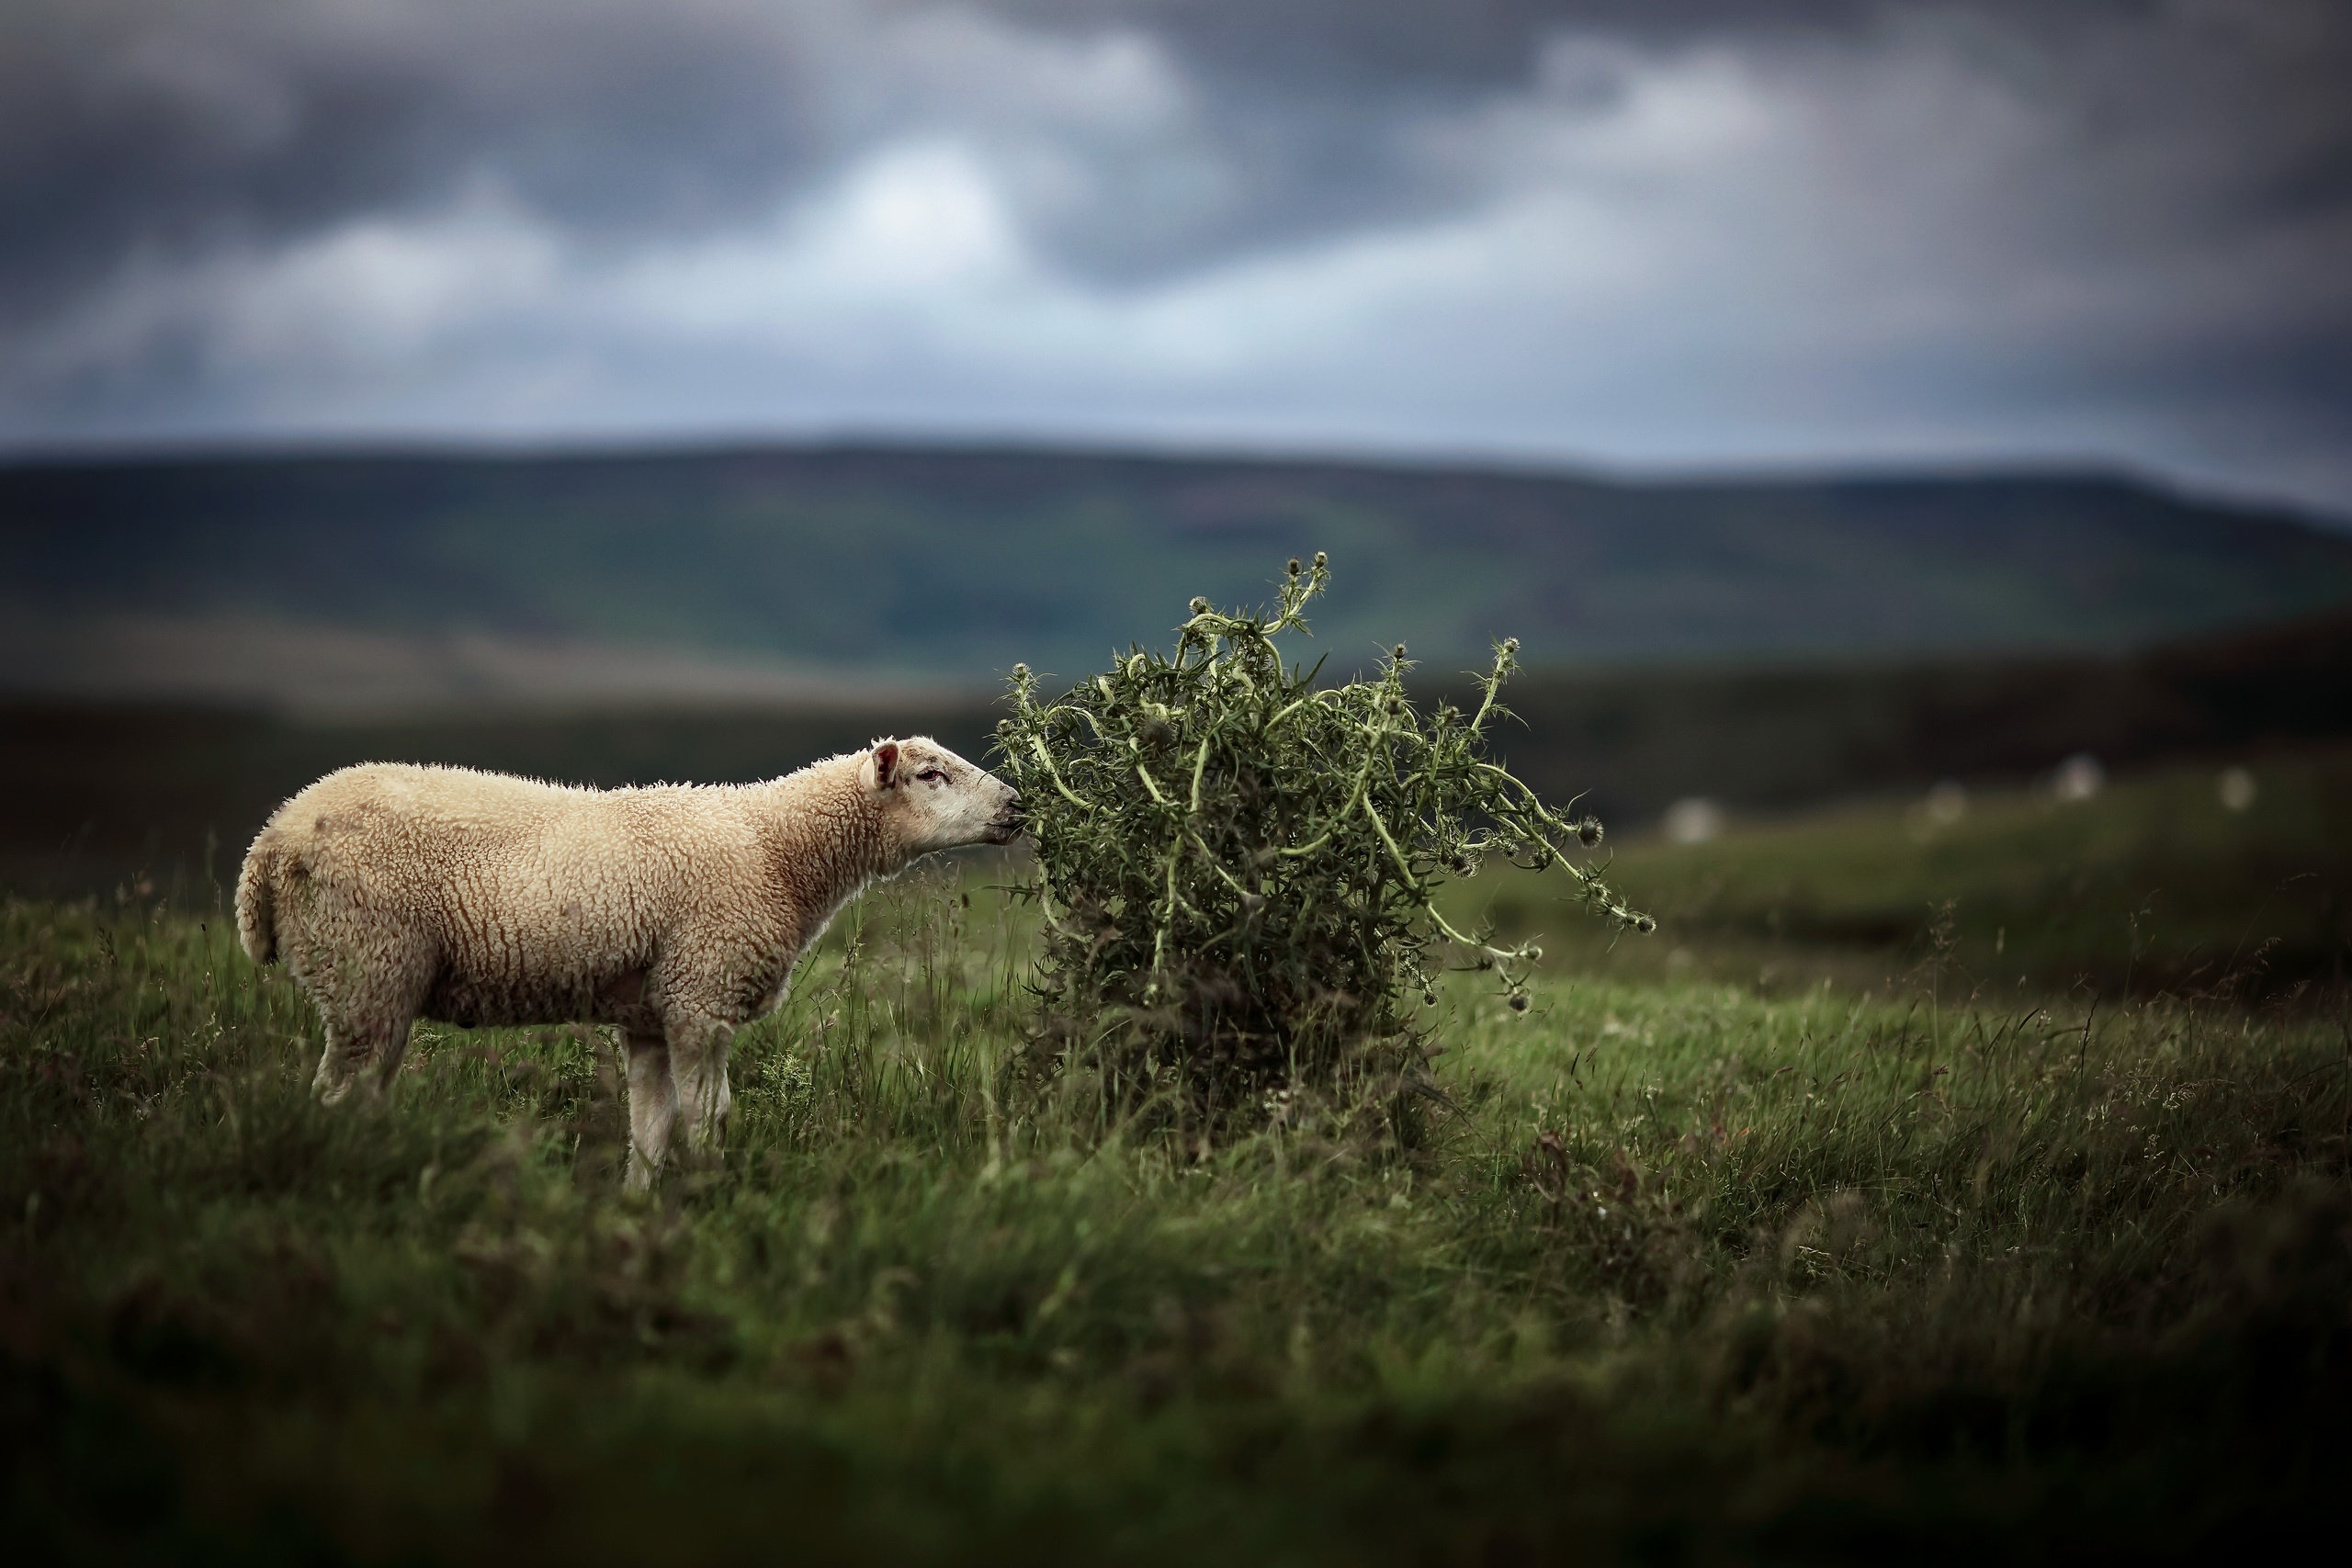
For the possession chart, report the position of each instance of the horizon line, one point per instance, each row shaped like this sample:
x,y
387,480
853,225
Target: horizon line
x,y
654,446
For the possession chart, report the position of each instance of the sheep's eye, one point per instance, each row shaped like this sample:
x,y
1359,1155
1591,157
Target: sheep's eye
x,y
932,775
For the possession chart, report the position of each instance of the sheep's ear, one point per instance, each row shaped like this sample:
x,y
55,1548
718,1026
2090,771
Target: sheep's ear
x,y
886,763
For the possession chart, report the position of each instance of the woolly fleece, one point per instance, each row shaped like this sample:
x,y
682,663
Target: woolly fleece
x,y
395,892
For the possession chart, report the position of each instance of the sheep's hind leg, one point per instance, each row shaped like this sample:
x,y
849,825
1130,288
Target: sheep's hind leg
x,y
652,1107
348,1050
369,1019
360,1055
391,1050
698,1062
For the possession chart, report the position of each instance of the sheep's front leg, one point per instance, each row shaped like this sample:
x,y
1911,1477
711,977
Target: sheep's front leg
x,y
652,1107
698,1063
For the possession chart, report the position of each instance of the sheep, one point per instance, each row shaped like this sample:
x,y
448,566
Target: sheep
x,y
395,892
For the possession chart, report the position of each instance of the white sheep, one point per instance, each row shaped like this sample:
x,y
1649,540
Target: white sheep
x,y
396,892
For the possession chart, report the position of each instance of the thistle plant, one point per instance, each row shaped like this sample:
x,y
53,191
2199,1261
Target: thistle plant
x,y
1238,869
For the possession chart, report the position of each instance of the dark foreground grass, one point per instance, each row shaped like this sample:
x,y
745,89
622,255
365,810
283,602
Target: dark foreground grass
x,y
1687,1274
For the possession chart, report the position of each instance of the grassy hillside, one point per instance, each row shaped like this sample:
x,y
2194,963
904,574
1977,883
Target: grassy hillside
x,y
962,562
1687,1273
2154,886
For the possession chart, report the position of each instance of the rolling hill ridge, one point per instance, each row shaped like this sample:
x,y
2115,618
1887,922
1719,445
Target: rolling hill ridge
x,y
955,563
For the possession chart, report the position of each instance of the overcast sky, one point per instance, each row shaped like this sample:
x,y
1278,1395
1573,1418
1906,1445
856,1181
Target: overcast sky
x,y
1635,233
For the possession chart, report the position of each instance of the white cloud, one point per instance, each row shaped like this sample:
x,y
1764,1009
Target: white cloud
x,y
379,292
913,232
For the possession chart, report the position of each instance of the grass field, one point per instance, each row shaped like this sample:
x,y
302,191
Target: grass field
x,y
1834,1239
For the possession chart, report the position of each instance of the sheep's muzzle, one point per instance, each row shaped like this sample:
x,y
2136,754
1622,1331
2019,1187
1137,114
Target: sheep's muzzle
x,y
1008,824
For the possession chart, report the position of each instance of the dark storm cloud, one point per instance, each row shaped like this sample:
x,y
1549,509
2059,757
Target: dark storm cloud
x,y
2248,97
139,128
2135,214
145,128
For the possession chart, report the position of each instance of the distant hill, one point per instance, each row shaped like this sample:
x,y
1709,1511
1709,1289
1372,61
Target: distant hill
x,y
955,563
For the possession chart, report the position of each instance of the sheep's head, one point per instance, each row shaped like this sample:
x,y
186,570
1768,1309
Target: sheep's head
x,y
931,799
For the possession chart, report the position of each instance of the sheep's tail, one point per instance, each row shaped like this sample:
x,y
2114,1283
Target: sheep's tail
x,y
257,899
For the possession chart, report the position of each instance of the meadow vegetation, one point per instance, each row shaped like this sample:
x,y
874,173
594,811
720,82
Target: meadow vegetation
x,y
1694,1264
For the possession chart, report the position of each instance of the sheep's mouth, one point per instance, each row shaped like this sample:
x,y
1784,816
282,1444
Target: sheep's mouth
x,y
1007,825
